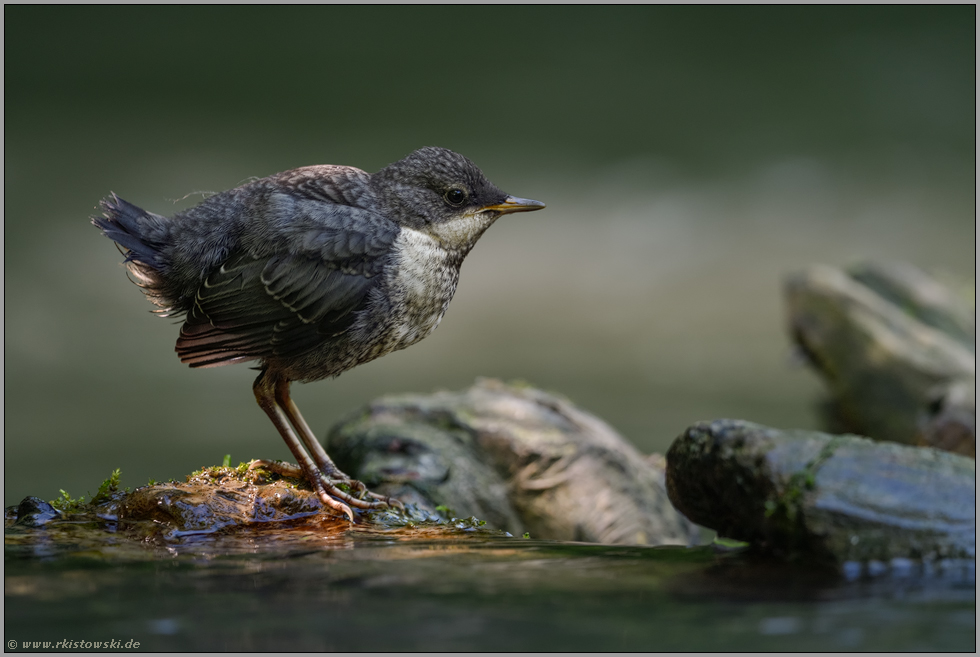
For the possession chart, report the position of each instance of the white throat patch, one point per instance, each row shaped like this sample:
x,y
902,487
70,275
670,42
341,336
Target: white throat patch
x,y
462,231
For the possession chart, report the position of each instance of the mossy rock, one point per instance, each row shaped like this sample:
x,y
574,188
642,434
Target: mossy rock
x,y
843,497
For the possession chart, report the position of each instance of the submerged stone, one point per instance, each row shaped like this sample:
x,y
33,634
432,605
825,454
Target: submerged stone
x,y
843,497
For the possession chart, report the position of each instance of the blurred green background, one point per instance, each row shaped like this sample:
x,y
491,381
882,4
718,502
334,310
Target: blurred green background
x,y
690,158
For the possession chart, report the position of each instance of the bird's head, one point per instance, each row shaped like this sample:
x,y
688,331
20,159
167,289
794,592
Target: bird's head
x,y
445,195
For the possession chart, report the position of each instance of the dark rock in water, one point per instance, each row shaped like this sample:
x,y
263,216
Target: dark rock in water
x,y
517,457
844,496
32,512
896,348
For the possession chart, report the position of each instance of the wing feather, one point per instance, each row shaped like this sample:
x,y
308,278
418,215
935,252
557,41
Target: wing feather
x,y
297,287
265,308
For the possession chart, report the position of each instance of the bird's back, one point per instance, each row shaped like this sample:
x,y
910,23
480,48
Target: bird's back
x,y
268,270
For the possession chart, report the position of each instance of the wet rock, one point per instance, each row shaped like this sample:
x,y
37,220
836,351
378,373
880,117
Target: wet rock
x,y
896,348
844,497
32,512
215,499
522,459
190,518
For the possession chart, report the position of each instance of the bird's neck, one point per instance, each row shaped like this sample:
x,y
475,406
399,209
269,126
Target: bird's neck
x,y
459,235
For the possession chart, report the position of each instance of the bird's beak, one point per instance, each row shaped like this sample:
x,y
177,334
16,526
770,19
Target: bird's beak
x,y
514,204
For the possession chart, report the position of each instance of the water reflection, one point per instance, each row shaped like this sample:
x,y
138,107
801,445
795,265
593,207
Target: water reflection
x,y
441,589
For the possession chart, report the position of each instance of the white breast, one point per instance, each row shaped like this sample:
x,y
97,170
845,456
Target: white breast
x,y
423,283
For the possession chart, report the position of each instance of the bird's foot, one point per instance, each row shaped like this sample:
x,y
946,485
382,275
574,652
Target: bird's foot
x,y
329,487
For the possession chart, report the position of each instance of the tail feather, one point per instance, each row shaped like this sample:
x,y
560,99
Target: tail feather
x,y
143,235
127,225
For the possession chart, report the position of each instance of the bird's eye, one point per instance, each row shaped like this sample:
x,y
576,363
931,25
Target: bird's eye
x,y
455,196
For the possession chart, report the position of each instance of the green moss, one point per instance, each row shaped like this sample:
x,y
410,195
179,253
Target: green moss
x,y
218,471
66,504
789,503
226,462
107,487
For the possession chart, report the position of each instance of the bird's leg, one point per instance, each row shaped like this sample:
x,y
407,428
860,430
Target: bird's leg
x,y
320,456
265,396
330,472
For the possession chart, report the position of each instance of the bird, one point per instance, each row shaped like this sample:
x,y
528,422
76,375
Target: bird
x,y
311,272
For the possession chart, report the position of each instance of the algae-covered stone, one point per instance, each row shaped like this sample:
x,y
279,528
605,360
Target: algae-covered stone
x,y
896,348
842,496
520,458
214,499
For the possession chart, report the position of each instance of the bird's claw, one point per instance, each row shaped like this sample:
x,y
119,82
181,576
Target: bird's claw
x,y
328,490
337,505
384,499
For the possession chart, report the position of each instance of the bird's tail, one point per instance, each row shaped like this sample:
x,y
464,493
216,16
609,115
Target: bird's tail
x,y
143,238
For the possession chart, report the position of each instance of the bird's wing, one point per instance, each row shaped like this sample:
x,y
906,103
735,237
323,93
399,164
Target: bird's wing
x,y
284,304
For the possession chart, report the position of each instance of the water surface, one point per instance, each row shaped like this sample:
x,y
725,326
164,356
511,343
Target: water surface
x,y
371,589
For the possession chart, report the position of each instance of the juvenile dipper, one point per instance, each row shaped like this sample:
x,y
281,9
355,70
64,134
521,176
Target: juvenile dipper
x,y
311,272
